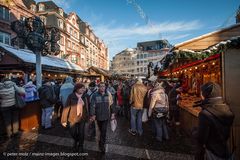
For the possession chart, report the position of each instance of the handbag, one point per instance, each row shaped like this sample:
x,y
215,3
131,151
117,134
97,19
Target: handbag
x,y
160,112
20,103
144,116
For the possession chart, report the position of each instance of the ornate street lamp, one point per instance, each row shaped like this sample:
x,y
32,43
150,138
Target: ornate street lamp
x,y
39,40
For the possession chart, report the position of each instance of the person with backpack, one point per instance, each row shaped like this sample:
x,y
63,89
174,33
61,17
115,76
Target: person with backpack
x,y
214,128
66,89
47,100
8,109
159,109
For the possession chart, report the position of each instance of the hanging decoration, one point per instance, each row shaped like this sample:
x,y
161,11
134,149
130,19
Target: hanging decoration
x,y
199,55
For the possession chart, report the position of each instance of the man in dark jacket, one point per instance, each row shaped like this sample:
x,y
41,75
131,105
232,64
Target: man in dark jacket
x,y
173,107
215,121
91,127
100,110
47,100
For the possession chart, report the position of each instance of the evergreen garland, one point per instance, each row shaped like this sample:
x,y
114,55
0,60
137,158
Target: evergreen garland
x,y
199,55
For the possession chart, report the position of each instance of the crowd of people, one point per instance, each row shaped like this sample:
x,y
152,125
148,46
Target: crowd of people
x,y
78,104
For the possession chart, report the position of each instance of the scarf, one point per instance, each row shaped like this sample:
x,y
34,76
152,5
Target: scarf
x,y
79,104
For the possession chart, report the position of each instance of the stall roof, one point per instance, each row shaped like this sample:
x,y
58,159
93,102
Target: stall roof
x,y
100,71
29,57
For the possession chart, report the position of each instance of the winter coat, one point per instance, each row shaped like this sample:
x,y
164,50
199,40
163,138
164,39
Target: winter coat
x,y
215,121
47,96
30,90
70,111
65,90
138,92
119,97
7,93
158,99
101,106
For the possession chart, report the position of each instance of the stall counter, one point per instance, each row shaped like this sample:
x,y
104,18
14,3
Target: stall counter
x,y
30,115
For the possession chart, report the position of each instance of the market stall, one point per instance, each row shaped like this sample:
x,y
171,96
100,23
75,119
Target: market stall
x,y
218,63
19,66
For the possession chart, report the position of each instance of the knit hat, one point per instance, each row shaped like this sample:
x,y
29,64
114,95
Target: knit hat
x,y
92,84
211,90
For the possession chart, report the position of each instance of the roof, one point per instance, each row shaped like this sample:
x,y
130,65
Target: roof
x,y
28,3
207,35
49,5
100,71
29,57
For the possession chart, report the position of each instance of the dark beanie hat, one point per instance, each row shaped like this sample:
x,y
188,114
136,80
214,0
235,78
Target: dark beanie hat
x,y
92,84
211,89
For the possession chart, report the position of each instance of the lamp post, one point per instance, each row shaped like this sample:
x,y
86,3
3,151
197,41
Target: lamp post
x,y
38,39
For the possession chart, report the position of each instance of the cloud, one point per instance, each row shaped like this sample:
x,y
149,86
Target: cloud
x,y
118,38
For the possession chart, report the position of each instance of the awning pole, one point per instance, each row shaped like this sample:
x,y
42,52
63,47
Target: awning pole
x,y
38,69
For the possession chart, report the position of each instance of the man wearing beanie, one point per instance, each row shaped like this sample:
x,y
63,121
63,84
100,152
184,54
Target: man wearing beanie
x,y
215,121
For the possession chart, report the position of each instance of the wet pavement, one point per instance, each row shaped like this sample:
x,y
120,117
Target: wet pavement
x,y
56,144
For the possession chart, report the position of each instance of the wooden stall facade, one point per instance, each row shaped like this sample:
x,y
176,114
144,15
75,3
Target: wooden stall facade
x,y
222,67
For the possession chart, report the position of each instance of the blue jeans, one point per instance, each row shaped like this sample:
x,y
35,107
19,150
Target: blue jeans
x,y
136,120
161,128
47,117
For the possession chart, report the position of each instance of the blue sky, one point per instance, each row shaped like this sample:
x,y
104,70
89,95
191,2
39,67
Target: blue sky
x,y
123,23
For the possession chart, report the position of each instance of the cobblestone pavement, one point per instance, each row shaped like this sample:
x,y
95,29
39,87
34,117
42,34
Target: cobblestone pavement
x,y
56,143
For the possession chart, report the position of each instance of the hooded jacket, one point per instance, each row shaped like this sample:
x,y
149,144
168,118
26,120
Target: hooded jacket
x,y
65,90
7,93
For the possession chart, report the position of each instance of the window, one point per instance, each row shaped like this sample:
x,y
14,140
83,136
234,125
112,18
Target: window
x,y
69,44
43,19
62,40
60,23
74,59
41,7
73,46
4,13
70,31
61,12
33,8
62,54
75,34
5,38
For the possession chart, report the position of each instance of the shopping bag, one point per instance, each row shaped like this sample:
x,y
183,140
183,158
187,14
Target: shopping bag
x,y
144,116
113,124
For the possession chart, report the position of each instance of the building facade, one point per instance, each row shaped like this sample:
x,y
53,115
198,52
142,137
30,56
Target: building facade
x,y
96,52
78,44
134,62
124,63
10,11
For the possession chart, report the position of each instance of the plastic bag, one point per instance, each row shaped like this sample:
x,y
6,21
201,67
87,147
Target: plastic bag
x,y
113,124
144,116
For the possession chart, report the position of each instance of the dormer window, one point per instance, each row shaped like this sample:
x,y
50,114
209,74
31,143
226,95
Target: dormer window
x,y
61,12
41,7
33,8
